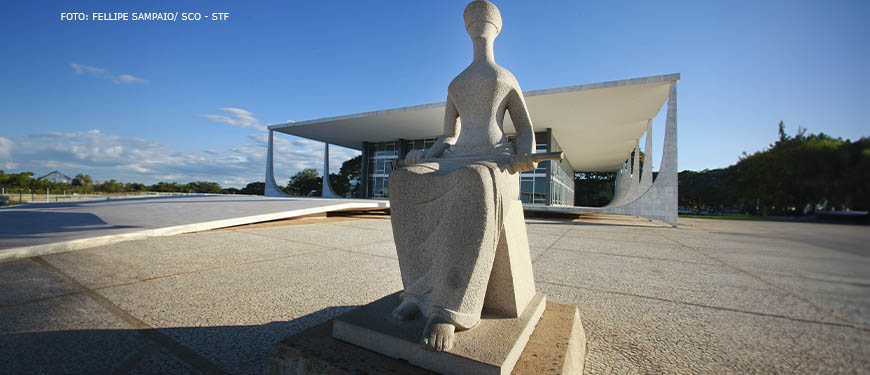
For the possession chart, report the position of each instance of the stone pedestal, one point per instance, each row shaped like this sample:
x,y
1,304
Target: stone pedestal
x,y
557,346
492,347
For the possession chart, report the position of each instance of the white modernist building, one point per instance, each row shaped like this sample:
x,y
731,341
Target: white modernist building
x,y
597,126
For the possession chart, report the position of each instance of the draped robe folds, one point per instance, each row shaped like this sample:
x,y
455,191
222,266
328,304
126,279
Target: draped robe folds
x,y
447,219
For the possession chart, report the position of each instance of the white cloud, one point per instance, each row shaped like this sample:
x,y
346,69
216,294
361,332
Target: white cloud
x,y
129,79
292,154
80,69
236,117
138,168
106,156
126,79
5,148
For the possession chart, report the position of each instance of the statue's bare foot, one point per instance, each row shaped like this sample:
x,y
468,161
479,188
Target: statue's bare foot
x,y
406,310
439,334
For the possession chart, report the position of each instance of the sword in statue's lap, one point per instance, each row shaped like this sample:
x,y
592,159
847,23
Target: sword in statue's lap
x,y
511,159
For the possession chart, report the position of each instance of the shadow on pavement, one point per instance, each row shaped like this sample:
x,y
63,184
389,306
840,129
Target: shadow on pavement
x,y
23,224
165,199
179,350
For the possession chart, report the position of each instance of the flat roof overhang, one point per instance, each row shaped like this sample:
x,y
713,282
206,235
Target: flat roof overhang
x,y
597,125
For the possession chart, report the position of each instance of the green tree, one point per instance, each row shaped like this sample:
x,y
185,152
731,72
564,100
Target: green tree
x,y
340,184
305,183
351,168
82,183
707,190
254,188
208,187
783,136
110,186
800,172
593,189
82,180
16,180
190,187
24,179
350,174
792,176
166,187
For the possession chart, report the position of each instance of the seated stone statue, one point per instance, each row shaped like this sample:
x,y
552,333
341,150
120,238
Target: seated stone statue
x,y
447,205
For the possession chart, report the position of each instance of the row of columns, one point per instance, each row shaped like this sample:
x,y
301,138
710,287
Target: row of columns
x,y
652,199
632,180
636,193
272,189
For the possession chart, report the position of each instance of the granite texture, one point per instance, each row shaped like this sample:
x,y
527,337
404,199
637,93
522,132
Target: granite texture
x,y
447,229
557,346
448,214
493,347
511,283
783,297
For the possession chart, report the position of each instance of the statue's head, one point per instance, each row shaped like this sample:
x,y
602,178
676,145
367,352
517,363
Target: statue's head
x,y
482,20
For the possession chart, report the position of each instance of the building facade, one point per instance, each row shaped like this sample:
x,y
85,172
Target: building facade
x,y
597,126
552,183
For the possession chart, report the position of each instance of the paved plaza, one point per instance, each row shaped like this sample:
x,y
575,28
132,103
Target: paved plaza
x,y
46,228
711,296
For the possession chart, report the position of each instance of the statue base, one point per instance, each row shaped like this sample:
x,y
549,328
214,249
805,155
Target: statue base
x,y
557,345
491,347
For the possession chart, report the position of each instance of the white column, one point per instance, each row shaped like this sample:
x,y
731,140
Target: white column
x,y
327,191
272,188
618,187
635,167
626,175
667,178
622,183
669,153
660,201
647,172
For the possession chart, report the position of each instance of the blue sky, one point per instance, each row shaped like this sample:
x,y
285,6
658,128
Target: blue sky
x,y
184,101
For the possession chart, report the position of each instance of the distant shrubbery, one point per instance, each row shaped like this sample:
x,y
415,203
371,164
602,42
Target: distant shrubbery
x,y
595,189
84,184
794,176
345,183
305,182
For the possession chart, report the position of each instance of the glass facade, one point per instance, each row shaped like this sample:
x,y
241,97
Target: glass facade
x,y
377,170
418,144
534,184
377,157
551,183
561,179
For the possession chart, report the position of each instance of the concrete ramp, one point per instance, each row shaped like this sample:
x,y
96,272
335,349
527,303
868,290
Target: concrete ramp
x,y
40,229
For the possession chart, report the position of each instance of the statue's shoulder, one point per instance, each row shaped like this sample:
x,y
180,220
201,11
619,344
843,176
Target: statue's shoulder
x,y
482,75
465,78
462,76
507,77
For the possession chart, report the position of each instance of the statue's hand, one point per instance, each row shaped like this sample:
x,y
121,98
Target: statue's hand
x,y
522,163
415,156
